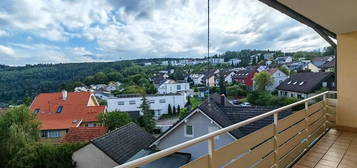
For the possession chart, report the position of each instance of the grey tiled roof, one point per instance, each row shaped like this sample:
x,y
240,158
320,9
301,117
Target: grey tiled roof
x,y
306,82
124,142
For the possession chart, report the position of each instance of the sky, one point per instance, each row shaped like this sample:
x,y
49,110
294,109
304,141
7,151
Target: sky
x,y
62,31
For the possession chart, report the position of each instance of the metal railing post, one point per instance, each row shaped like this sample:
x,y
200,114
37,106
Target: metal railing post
x,y
307,123
211,152
324,109
276,155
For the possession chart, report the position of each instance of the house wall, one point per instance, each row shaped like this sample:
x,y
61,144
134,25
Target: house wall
x,y
200,125
167,88
54,140
277,77
92,101
346,79
313,68
91,157
159,108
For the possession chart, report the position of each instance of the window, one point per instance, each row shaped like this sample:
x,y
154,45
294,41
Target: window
x,y
151,101
162,101
301,83
53,134
44,134
120,103
289,82
324,84
59,109
188,131
36,111
132,102
178,87
91,125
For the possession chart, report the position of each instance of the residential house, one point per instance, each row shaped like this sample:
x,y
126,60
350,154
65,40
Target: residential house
x,y
209,118
165,63
197,79
268,56
303,85
234,61
318,61
158,103
172,86
81,89
311,67
58,112
262,68
210,77
227,76
216,61
254,58
277,76
245,77
123,144
328,66
83,134
147,63
283,60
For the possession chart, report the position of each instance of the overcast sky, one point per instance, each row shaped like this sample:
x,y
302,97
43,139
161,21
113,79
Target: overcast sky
x,y
54,31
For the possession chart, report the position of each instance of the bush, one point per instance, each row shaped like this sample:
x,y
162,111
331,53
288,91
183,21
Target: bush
x,y
45,155
114,119
183,113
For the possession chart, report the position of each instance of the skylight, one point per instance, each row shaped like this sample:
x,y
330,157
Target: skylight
x,y
289,82
301,83
294,83
59,109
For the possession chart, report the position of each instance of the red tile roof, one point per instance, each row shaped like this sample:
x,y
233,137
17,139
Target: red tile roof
x,y
83,134
75,110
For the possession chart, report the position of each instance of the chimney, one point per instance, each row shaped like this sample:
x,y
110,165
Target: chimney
x,y
64,94
222,99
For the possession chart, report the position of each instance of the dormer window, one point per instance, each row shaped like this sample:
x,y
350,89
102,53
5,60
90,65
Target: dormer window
x,y
59,109
36,111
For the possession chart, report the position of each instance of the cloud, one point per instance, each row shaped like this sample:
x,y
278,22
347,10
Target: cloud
x,y
3,33
87,30
6,51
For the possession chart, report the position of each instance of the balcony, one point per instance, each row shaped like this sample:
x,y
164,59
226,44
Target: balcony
x,y
280,144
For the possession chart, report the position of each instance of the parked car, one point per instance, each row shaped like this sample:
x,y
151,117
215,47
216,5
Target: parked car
x,y
245,104
235,102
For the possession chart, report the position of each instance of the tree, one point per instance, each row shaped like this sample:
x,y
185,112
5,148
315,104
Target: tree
x,y
18,127
100,77
146,121
284,70
169,109
262,80
222,86
115,76
27,101
328,51
236,91
114,119
102,102
174,110
178,109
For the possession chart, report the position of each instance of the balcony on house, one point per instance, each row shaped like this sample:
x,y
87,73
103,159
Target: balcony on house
x,y
322,133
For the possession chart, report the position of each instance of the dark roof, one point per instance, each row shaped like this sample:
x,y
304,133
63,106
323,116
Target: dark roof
x,y
174,160
158,79
330,64
208,74
242,74
305,82
124,142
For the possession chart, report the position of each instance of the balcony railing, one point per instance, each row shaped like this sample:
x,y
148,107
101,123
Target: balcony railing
x,y
279,144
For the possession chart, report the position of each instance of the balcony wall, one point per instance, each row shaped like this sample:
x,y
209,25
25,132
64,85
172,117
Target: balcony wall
x,y
347,80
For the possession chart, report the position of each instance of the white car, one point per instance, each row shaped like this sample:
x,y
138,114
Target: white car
x,y
245,104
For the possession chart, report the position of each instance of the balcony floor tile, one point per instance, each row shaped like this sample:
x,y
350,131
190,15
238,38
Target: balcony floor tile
x,y
336,149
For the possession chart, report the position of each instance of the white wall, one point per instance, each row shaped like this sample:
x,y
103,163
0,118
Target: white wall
x,y
167,88
159,107
278,77
91,157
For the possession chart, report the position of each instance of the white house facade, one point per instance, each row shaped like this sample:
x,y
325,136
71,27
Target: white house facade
x,y
158,103
278,77
171,86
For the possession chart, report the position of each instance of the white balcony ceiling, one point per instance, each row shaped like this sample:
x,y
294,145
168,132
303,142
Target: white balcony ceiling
x,y
338,16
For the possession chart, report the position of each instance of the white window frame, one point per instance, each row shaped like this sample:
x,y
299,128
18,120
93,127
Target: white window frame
x,y
120,103
185,130
162,100
53,134
131,102
324,84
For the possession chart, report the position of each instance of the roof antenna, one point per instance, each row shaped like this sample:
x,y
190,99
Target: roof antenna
x,y
208,55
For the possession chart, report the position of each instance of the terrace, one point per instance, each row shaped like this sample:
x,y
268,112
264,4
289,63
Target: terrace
x,y
322,134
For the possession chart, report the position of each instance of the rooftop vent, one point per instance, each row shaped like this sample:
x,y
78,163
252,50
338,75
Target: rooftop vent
x,y
64,94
